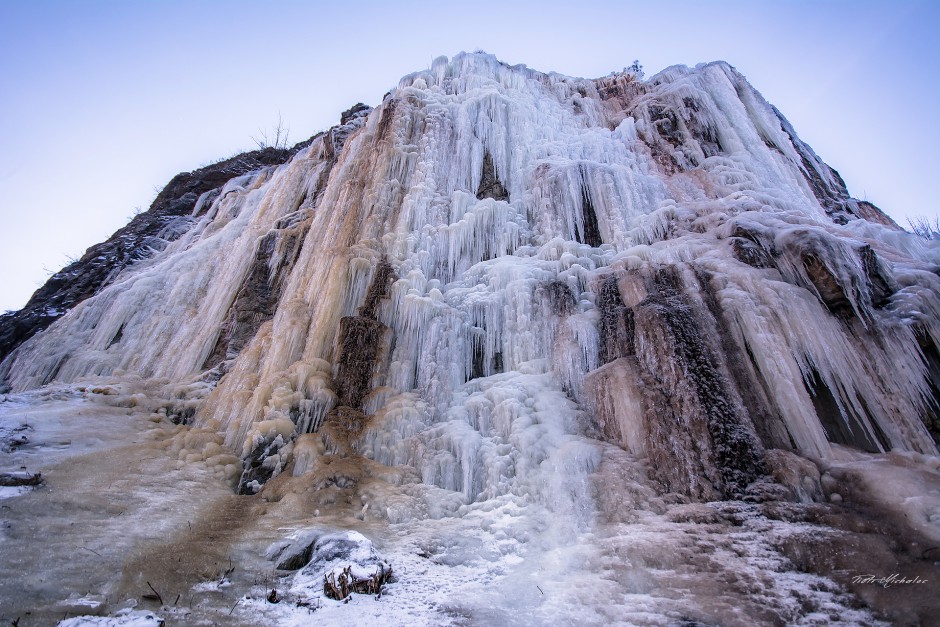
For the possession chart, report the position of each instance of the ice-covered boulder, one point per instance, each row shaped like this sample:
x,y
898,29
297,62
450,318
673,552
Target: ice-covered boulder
x,y
342,563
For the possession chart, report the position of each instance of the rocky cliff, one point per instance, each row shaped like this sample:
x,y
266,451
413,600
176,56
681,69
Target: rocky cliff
x,y
170,215
571,311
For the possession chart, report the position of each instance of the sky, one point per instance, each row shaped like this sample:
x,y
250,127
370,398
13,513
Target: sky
x,y
102,102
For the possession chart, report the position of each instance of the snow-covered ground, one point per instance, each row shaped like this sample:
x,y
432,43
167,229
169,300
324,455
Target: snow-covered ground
x,y
121,518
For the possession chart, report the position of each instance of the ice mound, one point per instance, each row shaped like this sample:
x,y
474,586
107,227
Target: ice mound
x,y
342,563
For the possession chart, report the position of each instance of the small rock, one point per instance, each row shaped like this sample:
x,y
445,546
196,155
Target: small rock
x,y
295,551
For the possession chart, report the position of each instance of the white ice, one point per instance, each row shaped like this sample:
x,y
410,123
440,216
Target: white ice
x,y
481,471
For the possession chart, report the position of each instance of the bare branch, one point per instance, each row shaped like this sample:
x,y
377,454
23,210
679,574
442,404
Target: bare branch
x,y
924,227
276,137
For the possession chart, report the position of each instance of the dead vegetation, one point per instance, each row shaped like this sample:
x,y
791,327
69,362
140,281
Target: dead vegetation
x,y
925,227
17,479
340,587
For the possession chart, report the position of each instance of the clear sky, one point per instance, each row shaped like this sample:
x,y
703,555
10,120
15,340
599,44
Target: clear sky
x,y
102,102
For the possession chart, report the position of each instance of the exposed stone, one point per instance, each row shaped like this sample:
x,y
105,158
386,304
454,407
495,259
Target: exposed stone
x,y
699,415
841,425
750,253
166,220
830,291
931,355
259,294
621,88
168,217
295,552
666,124
341,428
355,111
360,343
617,393
616,325
592,232
559,296
764,415
385,121
378,289
796,473
490,185
359,347
869,211
705,134
261,464
348,563
880,284
752,247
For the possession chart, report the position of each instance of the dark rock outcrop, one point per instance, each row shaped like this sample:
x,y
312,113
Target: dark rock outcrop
x,y
259,294
490,185
834,197
592,230
689,395
703,416
169,216
361,340
261,464
166,220
616,325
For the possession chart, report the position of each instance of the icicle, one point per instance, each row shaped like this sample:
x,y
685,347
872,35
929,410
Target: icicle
x,y
497,303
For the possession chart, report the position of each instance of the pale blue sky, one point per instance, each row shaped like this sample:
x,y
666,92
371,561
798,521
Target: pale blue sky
x,y
103,102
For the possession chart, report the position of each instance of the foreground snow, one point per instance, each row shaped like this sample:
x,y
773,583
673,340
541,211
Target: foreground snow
x,y
117,522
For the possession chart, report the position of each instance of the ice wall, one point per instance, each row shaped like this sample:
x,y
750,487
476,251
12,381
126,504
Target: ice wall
x,y
496,267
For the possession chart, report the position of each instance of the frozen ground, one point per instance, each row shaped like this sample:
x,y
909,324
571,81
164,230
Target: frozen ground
x,y
123,516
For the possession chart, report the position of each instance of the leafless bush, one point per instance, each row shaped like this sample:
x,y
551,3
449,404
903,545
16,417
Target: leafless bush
x,y
276,137
925,227
346,583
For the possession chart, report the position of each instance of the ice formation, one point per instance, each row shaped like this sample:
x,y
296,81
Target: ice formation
x,y
506,295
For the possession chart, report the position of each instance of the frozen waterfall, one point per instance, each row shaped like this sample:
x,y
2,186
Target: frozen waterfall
x,y
499,285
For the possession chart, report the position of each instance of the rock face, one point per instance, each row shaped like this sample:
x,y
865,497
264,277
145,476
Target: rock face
x,y
457,232
170,215
506,294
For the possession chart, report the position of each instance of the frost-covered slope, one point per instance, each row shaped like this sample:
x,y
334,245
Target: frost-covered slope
x,y
146,233
504,295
